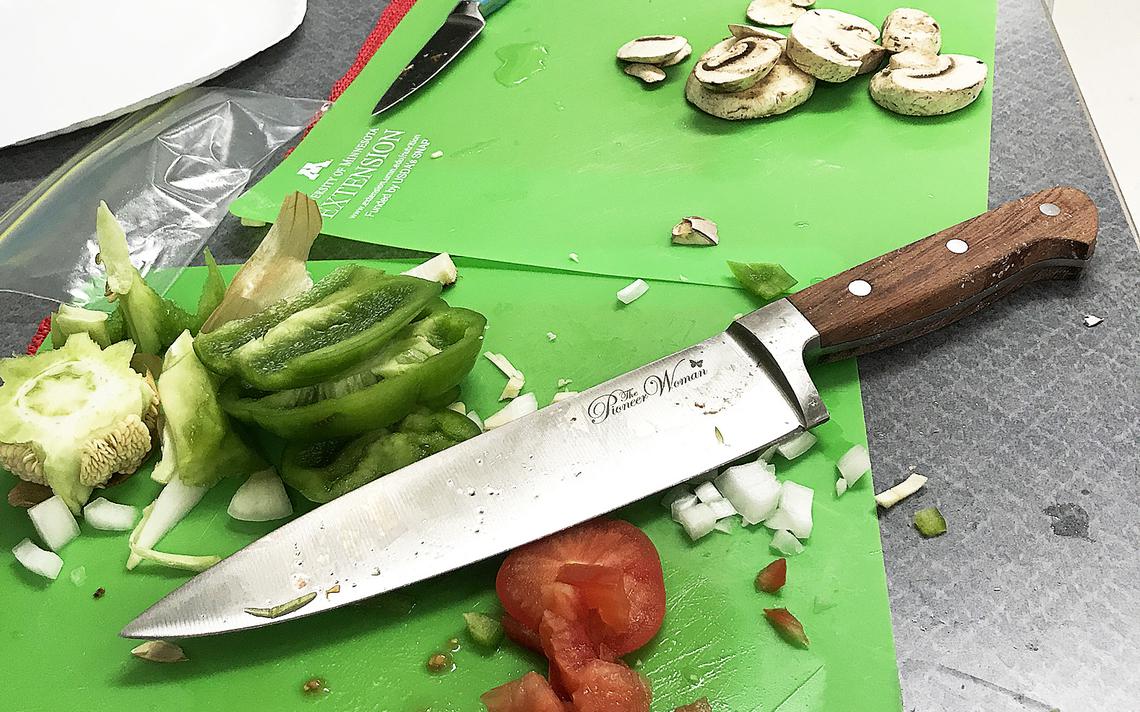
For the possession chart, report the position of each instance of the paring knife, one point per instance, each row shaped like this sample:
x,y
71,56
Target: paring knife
x,y
654,427
462,26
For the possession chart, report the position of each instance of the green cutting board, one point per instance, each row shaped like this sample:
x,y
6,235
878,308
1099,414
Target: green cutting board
x,y
62,653
549,148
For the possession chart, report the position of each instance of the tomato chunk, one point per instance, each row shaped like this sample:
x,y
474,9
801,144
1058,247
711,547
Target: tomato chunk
x,y
569,648
773,576
611,687
580,567
526,637
529,693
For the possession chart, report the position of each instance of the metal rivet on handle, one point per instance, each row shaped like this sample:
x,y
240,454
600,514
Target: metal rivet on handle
x,y
1050,209
957,246
859,288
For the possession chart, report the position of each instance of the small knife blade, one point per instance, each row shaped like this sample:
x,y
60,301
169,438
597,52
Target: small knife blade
x,y
656,426
460,28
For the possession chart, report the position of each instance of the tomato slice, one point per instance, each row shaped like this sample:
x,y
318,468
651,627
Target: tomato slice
x,y
519,633
548,574
567,644
529,693
611,687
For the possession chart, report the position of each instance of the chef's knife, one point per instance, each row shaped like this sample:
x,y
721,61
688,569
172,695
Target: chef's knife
x,y
460,28
639,433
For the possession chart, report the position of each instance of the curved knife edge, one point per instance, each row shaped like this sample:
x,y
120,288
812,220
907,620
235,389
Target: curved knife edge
x,y
780,336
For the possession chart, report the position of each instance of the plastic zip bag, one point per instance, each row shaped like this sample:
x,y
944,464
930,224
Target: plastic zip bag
x,y
168,173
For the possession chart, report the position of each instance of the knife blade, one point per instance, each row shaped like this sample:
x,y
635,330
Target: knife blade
x,y
656,426
460,28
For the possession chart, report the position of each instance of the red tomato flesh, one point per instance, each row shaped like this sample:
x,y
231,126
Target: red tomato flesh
x,y
519,633
529,693
569,648
773,576
588,559
611,687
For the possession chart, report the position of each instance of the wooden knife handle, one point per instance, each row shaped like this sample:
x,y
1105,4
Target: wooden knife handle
x,y
942,278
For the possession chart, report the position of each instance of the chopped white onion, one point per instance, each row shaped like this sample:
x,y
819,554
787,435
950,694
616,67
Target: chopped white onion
x,y
723,525
794,510
681,504
551,336
34,559
78,575
458,407
474,418
673,494
791,449
109,516
515,377
633,292
172,504
145,553
438,269
768,454
563,395
707,492
899,492
697,520
840,487
855,463
573,256
54,522
752,489
722,508
563,382
784,542
523,405
261,498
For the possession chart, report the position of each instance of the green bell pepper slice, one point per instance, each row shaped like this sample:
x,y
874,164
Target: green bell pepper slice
x,y
325,470
315,335
425,360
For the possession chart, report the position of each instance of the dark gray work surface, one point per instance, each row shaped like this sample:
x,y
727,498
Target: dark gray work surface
x,y
1017,412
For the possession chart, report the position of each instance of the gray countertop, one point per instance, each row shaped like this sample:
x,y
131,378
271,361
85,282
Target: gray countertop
x,y
1026,421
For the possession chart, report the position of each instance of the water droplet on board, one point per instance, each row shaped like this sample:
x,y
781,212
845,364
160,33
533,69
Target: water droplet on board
x,y
520,62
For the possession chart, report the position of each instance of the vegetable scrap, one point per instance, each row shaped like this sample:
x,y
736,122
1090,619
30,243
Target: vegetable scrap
x,y
1091,321
440,269
27,494
522,406
701,705
695,230
901,491
38,561
929,522
159,651
796,446
106,515
484,630
54,522
515,377
282,609
633,292
647,56
99,593
314,685
776,12
773,576
78,575
551,336
439,663
764,279
852,465
436,154
261,498
573,256
787,625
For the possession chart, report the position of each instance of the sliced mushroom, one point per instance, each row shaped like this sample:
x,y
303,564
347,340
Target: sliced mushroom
x,y
834,46
742,31
907,28
695,230
951,83
648,73
735,65
785,88
651,49
776,12
681,55
912,58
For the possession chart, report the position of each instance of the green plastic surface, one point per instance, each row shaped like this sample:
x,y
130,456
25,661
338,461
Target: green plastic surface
x,y
63,653
549,148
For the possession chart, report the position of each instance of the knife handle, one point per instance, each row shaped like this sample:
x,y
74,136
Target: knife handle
x,y
951,274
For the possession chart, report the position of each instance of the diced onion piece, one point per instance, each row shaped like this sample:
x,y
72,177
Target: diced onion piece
x,y
752,489
673,494
54,522
794,510
109,516
261,498
78,575
159,651
707,492
680,505
723,525
786,543
855,463
438,269
515,377
563,395
768,454
34,559
523,405
899,492
791,449
573,256
172,504
633,292
458,407
474,418
551,336
697,520
722,508
563,382
840,487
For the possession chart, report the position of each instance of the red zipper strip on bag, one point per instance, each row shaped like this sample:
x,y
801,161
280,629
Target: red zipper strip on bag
x,y
387,23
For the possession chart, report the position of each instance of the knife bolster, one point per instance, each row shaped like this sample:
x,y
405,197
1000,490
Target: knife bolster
x,y
940,279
